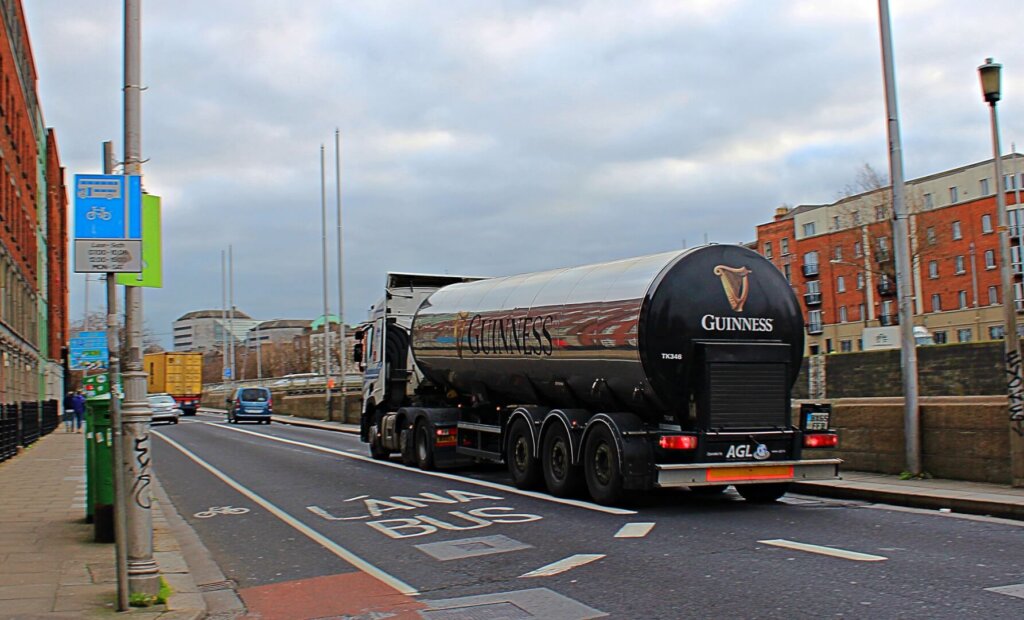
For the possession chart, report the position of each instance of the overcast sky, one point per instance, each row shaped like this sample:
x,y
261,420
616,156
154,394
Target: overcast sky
x,y
499,137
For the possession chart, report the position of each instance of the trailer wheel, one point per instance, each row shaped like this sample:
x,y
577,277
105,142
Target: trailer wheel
x,y
560,475
762,493
601,467
523,465
424,447
377,451
405,445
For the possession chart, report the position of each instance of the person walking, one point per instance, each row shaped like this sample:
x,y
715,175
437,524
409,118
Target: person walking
x,y
79,411
69,412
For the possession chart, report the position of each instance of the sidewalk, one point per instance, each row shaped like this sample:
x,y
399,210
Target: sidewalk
x,y
49,565
957,496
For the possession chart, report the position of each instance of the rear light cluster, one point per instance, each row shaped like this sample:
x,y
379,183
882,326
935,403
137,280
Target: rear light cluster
x,y
821,440
677,442
446,432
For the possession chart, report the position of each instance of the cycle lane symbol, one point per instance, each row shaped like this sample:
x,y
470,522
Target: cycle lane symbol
x,y
213,511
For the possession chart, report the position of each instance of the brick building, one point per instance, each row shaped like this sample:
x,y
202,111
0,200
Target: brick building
x,y
839,257
33,229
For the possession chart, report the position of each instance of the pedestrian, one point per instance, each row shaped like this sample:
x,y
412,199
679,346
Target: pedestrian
x,y
69,412
79,411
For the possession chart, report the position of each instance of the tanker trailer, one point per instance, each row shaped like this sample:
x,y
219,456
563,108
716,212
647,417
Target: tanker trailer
x,y
667,370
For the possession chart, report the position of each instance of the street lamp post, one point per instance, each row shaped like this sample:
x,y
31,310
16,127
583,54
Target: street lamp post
x,y
989,74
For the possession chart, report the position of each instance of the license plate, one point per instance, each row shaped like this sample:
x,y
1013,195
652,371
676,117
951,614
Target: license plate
x,y
445,441
254,411
724,474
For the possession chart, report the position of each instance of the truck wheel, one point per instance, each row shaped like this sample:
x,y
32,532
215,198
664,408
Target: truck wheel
x,y
560,475
377,451
601,467
424,447
522,462
405,445
762,493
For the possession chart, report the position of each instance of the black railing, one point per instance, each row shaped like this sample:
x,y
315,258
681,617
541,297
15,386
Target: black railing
x,y
8,438
812,299
29,423
887,287
883,255
815,328
49,418
810,269
887,320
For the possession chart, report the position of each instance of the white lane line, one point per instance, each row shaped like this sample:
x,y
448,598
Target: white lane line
x,y
483,483
561,566
634,530
317,537
830,551
1016,590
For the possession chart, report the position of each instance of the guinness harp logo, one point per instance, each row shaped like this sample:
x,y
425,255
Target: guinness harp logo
x,y
734,281
460,331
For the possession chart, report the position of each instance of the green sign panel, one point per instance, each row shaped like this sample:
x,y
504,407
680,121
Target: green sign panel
x,y
152,274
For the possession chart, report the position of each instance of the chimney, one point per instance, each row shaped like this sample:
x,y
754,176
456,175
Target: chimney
x,y
780,212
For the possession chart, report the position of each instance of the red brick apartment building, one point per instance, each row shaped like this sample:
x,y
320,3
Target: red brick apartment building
x,y
33,229
839,257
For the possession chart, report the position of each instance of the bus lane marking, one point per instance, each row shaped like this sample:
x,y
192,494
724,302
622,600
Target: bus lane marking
x,y
829,551
326,543
457,520
563,565
436,474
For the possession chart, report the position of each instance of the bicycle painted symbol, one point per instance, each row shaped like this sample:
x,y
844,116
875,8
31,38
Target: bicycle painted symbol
x,y
220,510
98,212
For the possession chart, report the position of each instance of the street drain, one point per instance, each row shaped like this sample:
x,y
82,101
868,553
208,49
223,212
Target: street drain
x,y
487,611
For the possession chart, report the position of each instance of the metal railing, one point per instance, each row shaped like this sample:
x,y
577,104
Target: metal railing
x,y
810,269
815,328
812,299
8,438
29,423
887,320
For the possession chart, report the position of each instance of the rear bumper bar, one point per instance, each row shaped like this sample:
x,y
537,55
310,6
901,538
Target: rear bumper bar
x,y
707,474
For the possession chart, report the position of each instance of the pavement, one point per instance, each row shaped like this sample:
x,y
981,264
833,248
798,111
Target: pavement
x,y
51,568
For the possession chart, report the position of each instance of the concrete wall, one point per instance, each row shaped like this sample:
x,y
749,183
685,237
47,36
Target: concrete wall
x,y
310,406
962,438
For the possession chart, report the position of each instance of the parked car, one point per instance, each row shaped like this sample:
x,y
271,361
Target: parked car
x,y
250,403
164,408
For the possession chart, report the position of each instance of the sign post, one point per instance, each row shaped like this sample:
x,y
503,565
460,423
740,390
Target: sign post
x,y
108,223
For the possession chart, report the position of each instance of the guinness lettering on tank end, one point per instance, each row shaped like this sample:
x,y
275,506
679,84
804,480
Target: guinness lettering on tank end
x,y
525,335
714,323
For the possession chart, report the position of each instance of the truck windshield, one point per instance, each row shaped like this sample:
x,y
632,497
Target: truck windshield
x,y
253,395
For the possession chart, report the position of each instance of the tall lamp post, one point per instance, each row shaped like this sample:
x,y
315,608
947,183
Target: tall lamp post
x,y
990,74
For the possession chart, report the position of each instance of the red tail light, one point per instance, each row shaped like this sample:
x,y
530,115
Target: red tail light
x,y
677,442
821,440
445,432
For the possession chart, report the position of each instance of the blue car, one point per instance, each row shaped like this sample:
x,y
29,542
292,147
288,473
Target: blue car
x,y
250,403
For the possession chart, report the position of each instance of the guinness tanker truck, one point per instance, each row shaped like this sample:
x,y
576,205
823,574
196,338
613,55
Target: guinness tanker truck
x,y
670,370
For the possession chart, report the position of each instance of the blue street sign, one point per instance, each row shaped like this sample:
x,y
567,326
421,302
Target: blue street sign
x,y
227,373
106,209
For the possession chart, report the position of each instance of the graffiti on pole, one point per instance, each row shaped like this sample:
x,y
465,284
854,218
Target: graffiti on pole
x,y
1015,391
140,487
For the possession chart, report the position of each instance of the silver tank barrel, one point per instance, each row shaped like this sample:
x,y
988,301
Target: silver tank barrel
x,y
615,336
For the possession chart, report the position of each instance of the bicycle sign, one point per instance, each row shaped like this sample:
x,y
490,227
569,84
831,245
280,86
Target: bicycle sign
x,y
220,510
98,212
108,206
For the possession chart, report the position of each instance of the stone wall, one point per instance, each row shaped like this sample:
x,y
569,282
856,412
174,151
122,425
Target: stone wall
x,y
312,406
962,438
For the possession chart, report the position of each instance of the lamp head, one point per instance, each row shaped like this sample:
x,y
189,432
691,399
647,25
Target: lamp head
x,y
989,73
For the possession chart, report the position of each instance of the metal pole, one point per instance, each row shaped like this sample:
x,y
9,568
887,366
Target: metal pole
x,y
326,327
341,273
120,494
259,354
85,315
143,572
1011,341
223,316
908,350
231,311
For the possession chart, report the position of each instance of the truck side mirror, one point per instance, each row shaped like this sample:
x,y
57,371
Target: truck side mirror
x,y
357,353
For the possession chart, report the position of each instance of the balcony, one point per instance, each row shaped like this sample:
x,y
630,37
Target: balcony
x,y
888,320
812,299
1014,231
810,269
1018,269
883,255
887,287
815,328
1019,304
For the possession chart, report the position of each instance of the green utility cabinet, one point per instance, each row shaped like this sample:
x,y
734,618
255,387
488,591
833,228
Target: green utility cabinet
x,y
99,469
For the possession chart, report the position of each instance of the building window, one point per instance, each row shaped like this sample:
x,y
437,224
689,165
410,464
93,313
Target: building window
x,y
956,230
990,259
768,249
811,263
861,316
842,314
963,335
857,249
993,295
995,332
860,280
954,194
839,252
841,284
856,218
786,271
883,244
880,212
962,298
814,318
887,308
940,337
845,346
930,234
986,223
933,269
959,265
929,202
808,229
984,187
936,302
1009,182
784,246
836,222
813,287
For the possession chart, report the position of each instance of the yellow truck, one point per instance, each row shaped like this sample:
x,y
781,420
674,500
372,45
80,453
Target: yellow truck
x,y
177,374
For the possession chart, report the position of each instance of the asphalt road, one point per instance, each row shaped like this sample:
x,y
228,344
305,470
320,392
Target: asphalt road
x,y
318,529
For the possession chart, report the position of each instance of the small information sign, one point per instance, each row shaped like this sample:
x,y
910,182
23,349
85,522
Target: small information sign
x,y
108,256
